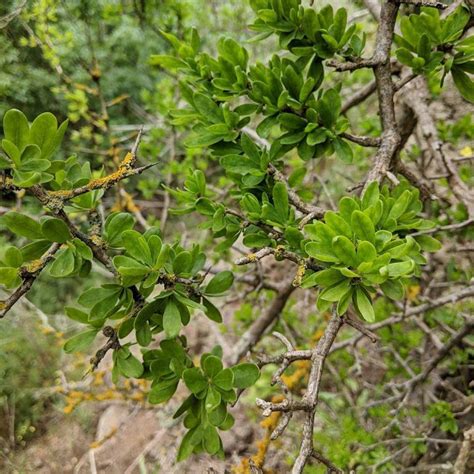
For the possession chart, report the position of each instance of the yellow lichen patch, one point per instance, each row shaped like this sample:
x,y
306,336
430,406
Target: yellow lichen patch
x,y
34,266
317,335
129,203
412,292
251,257
100,183
302,369
97,240
134,391
466,151
61,193
128,161
299,274
98,377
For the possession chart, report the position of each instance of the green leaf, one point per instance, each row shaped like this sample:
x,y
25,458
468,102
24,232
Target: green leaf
x,y
347,206
393,289
343,150
136,246
224,379
163,391
211,311
366,252
208,108
211,365
400,205
35,249
81,341
182,263
280,200
256,240
381,238
219,283
13,257
293,81
371,195
405,56
115,225
63,264
55,230
76,315
339,25
212,442
398,269
321,251
337,291
195,380
128,267
144,335
22,225
364,305
363,226
30,153
129,366
167,61
344,302
213,399
428,243
323,278
26,179
245,375
171,319
83,249
344,250
338,224
187,446
43,132
12,151
16,128
8,276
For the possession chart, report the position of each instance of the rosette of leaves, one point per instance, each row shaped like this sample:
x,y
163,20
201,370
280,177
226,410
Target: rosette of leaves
x,y
30,147
431,45
305,31
285,92
73,258
212,388
194,197
308,120
365,245
275,211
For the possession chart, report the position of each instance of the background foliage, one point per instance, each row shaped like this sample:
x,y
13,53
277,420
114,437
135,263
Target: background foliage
x,y
222,212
